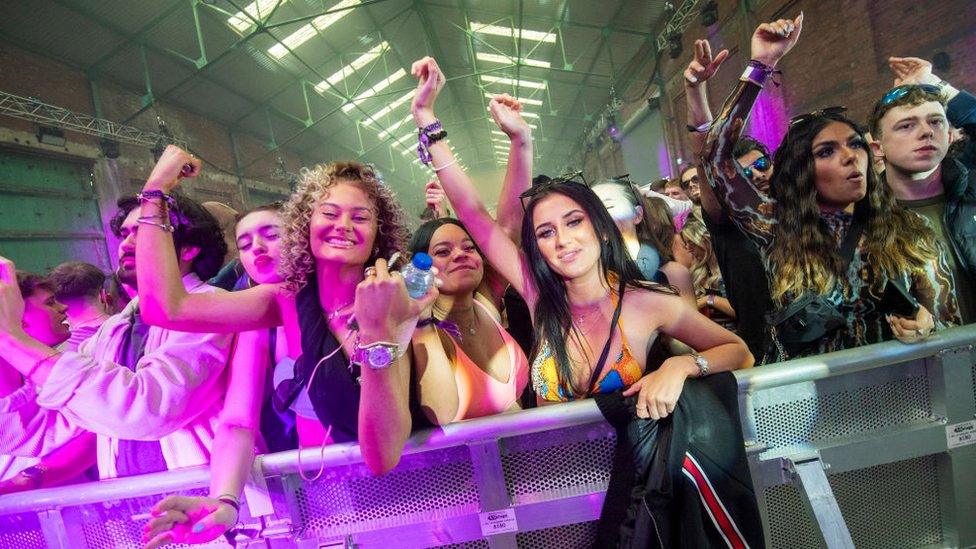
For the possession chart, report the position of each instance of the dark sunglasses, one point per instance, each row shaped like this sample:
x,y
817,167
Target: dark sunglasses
x,y
819,113
762,164
896,93
531,192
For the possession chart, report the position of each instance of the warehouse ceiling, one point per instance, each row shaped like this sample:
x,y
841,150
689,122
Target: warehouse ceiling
x,y
330,79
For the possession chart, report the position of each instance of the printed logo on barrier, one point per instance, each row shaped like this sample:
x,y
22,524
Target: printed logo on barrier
x,y
498,522
961,434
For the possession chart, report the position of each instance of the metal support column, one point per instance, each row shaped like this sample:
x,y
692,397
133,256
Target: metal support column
x,y
821,503
490,478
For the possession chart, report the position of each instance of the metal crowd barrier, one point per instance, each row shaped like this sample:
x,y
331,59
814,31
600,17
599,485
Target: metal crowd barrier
x,y
873,447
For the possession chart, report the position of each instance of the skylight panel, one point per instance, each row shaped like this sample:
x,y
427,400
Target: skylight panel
x,y
308,31
506,60
389,108
512,32
512,82
522,100
380,86
258,10
349,69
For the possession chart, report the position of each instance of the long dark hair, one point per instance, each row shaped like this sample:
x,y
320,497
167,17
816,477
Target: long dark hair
x,y
553,318
805,257
648,229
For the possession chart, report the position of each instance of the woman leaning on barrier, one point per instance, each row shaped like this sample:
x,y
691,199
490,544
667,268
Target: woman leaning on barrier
x,y
595,318
847,266
340,219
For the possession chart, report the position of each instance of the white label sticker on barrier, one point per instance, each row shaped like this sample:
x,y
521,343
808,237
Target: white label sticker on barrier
x,y
498,522
961,434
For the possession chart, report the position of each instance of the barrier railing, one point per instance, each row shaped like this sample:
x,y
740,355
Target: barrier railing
x,y
867,446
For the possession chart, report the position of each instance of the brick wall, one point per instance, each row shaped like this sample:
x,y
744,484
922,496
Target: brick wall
x,y
30,75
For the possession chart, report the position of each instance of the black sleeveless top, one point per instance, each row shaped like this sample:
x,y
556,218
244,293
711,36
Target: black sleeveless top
x,y
335,389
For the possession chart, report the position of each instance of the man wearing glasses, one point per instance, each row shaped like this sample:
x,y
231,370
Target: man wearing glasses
x,y
910,127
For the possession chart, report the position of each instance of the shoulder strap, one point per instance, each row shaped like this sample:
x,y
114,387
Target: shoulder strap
x,y
850,241
606,347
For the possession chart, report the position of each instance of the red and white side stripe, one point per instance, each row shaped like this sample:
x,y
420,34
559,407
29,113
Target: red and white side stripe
x,y
716,510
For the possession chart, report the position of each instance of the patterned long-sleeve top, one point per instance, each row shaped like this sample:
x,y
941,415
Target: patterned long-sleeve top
x,y
857,294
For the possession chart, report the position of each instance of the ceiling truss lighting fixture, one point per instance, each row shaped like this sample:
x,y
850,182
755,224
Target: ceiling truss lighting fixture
x,y
242,22
347,71
307,32
512,82
506,60
512,32
380,86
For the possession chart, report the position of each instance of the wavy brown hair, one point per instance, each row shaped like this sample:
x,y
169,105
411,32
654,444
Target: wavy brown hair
x,y
297,262
805,255
702,276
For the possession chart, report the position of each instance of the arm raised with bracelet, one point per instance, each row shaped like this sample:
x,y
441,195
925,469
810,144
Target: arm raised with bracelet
x,y
746,206
501,251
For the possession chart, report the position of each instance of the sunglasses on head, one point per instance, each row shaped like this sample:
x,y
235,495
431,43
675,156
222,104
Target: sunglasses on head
x,y
762,164
819,113
896,93
572,177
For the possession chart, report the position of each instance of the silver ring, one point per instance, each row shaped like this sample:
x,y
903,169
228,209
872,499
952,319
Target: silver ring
x,y
918,332
370,271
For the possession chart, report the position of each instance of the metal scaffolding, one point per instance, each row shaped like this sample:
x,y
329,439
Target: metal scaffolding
x,y
34,110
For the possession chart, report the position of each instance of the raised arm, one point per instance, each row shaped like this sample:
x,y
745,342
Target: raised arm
x,y
748,208
491,237
163,299
696,74
506,112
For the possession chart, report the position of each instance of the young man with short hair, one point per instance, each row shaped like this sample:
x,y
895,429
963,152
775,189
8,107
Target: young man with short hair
x,y
910,130
152,395
80,287
42,318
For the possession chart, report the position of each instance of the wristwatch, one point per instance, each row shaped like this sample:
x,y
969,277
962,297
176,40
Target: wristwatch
x,y
702,364
377,355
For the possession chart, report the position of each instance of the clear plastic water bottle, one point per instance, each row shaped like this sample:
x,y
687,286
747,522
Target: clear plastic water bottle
x,y
417,275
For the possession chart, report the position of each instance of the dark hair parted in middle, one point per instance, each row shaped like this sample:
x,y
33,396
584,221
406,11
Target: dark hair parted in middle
x,y
195,227
553,320
806,255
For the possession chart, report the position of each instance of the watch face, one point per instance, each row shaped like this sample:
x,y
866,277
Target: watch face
x,y
379,356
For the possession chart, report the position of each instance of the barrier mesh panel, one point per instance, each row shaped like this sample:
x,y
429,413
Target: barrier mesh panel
x,y
423,487
565,537
885,507
21,531
974,382
899,402
110,524
557,464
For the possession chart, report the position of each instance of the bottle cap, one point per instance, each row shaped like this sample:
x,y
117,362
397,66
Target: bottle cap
x,y
422,261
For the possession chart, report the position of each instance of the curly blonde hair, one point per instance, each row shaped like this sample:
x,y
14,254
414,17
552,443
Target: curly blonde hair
x,y
296,252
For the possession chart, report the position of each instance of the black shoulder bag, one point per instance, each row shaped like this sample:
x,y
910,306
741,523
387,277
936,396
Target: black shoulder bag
x,y
792,329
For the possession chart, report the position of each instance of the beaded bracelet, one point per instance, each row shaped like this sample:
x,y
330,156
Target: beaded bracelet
x,y
427,136
145,196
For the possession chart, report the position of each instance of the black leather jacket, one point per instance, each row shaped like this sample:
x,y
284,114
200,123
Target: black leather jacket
x,y
959,182
652,500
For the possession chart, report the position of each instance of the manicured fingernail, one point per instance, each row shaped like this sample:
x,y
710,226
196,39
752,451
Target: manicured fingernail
x,y
198,527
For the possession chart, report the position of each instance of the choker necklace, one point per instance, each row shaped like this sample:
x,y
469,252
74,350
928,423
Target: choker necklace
x,y
338,312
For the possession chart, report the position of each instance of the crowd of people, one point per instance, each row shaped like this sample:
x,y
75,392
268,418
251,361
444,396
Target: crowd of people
x,y
572,289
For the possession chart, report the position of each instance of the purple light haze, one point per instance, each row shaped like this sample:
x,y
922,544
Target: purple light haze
x,y
768,121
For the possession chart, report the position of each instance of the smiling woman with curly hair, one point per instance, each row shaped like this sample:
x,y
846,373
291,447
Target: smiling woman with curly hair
x,y
341,219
